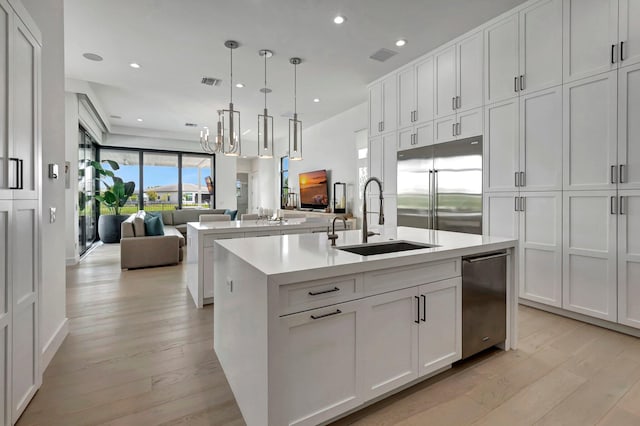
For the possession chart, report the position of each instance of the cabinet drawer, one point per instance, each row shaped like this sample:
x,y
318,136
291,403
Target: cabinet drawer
x,y
315,294
408,276
210,239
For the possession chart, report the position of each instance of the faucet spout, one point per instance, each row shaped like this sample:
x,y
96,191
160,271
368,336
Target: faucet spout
x,y
333,236
365,227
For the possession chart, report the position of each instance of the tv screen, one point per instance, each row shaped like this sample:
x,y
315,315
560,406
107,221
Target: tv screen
x,y
314,189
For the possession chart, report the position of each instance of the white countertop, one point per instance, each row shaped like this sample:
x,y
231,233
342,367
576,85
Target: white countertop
x,y
288,258
253,225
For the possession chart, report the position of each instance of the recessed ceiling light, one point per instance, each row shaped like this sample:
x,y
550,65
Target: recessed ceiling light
x,y
140,119
316,100
134,65
339,19
401,42
92,57
239,85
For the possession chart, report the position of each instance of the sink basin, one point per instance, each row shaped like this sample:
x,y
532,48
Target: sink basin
x,y
384,248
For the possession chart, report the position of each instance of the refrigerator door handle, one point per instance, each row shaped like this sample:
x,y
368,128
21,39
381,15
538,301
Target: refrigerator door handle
x,y
430,215
435,199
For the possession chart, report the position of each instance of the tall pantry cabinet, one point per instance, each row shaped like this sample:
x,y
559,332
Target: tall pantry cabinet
x,y
20,176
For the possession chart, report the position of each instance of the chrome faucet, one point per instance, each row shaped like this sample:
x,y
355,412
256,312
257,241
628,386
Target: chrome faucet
x,y
333,236
365,229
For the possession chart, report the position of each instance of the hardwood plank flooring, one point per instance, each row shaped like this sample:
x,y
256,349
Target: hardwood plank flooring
x,y
139,353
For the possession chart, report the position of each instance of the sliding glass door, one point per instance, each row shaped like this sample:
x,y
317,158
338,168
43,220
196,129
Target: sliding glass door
x,y
87,214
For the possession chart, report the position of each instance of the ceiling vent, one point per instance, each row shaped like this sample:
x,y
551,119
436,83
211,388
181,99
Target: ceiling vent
x,y
210,81
191,124
382,55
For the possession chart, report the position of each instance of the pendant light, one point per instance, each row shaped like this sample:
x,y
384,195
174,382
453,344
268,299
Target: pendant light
x,y
229,119
205,138
265,121
295,125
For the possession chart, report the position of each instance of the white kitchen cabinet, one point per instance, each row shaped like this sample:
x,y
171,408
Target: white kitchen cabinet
x,y
590,139
392,334
540,46
375,109
469,61
541,247
629,258
6,296
590,40
501,214
469,123
382,162
629,31
501,147
323,352
541,141
629,127
445,82
416,136
424,91
589,253
440,331
406,97
501,62
382,106
445,129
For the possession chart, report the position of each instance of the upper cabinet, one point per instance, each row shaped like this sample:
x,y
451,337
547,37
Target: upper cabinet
x,y
501,60
415,94
406,97
629,31
629,127
382,106
445,82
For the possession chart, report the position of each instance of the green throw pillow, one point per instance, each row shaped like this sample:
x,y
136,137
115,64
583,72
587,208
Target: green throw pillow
x,y
232,213
153,225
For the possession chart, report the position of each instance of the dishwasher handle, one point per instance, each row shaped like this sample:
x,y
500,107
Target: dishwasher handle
x,y
481,258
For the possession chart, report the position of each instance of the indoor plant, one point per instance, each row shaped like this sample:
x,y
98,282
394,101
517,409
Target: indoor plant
x,y
114,197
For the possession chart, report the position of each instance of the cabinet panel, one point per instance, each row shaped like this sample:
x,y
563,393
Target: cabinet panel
x,y
389,164
629,127
541,140
389,104
590,132
375,109
445,81
392,335
629,259
470,123
445,129
207,273
501,154
424,91
5,25
406,139
376,157
589,253
501,60
629,31
406,97
5,309
440,335
470,54
541,247
540,49
500,217
424,134
590,31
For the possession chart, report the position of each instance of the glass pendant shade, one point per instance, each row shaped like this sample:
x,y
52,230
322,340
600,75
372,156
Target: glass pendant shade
x,y
265,121
295,125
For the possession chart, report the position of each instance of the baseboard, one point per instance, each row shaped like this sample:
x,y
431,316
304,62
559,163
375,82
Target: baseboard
x,y
73,260
54,344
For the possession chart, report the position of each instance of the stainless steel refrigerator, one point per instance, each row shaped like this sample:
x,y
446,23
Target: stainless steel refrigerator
x,y
440,186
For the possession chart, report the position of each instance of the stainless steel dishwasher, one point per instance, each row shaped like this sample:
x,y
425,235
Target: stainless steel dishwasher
x,y
484,301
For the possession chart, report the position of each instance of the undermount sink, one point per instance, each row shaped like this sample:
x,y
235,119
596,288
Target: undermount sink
x,y
384,247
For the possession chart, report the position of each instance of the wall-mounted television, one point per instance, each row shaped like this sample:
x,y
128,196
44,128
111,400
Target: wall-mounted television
x,y
314,190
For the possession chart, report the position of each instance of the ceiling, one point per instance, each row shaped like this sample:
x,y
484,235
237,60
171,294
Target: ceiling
x,y
179,42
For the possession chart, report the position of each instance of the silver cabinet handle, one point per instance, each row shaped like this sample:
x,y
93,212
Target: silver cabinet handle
x,y
613,174
415,138
453,129
317,293
515,84
417,320
622,204
522,82
522,179
621,51
522,204
453,103
415,115
517,179
315,317
382,126
613,52
516,206
622,173
458,102
613,205
458,129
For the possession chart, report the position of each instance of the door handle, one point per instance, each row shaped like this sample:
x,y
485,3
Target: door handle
x,y
522,179
522,82
21,174
430,217
458,102
317,293
316,317
417,320
515,84
613,52
382,126
613,174
458,127
522,204
622,173
516,204
453,103
424,308
17,174
415,115
622,204
621,51
613,205
453,129
517,179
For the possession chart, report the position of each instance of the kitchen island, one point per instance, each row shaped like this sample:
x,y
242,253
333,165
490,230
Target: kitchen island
x,y
307,333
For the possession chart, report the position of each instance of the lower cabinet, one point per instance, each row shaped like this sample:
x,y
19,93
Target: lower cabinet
x,y
629,258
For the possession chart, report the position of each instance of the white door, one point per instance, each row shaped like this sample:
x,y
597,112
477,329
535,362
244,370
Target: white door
x,y
26,378
5,309
629,127
501,214
389,104
590,136
469,123
501,60
392,335
323,362
445,129
629,32
541,247
541,140
389,164
590,41
440,335
424,91
6,23
424,134
469,63
540,46
406,97
501,152
375,109
629,258
589,253
445,81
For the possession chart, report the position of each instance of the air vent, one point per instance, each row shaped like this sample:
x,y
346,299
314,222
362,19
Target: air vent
x,y
210,81
191,124
382,55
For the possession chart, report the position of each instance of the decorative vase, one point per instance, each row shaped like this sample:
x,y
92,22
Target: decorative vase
x,y
109,227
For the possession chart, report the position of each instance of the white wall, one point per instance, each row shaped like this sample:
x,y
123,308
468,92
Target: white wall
x,y
49,17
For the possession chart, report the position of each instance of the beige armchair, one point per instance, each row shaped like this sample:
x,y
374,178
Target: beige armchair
x,y
215,218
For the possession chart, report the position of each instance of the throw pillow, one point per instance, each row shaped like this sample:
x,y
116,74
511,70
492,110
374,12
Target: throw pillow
x,y
232,213
153,225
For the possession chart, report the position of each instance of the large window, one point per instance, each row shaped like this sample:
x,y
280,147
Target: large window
x,y
160,179
87,213
129,162
284,181
197,181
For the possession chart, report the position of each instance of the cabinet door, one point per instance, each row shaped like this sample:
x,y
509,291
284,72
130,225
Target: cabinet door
x,y
6,23
24,92
376,157
5,309
501,153
445,82
501,60
541,140
541,247
207,273
389,104
389,164
501,214
424,134
590,142
469,63
323,352
424,91
26,377
540,47
440,335
392,335
629,259
629,32
445,129
589,253
470,123
375,109
406,97
406,140
629,127
590,37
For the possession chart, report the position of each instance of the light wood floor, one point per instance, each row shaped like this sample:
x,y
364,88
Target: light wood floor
x,y
139,353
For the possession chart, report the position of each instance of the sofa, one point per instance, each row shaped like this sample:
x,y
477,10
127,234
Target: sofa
x,y
179,218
